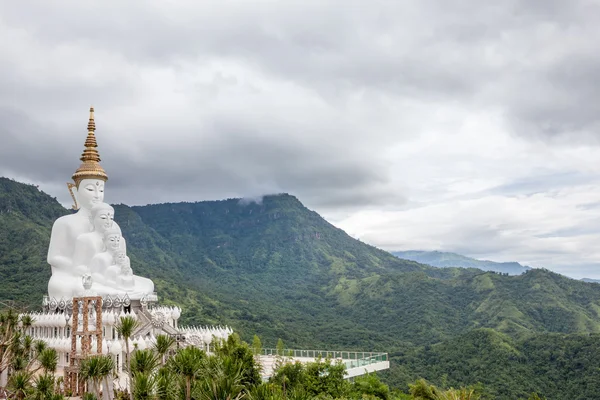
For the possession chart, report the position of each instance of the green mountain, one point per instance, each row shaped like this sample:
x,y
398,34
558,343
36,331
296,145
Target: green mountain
x,y
554,365
279,270
442,259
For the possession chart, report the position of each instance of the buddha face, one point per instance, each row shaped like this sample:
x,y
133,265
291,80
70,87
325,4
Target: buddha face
x,y
90,192
120,258
113,242
103,220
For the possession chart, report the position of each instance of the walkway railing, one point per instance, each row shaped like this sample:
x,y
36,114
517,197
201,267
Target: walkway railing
x,y
351,359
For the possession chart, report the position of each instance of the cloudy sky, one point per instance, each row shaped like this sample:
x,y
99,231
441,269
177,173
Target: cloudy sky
x,y
453,125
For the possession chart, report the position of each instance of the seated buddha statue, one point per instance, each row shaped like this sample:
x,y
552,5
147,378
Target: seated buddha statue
x,y
87,191
111,270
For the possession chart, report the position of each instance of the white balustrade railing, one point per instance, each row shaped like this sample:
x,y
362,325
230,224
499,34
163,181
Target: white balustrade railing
x,y
350,358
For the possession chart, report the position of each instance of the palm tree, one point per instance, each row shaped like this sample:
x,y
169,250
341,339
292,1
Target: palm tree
x,y
44,387
8,325
143,361
166,385
95,369
20,384
26,321
187,362
126,327
222,378
48,359
163,344
144,386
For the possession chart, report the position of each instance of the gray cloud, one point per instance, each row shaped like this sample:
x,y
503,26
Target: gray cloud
x,y
207,100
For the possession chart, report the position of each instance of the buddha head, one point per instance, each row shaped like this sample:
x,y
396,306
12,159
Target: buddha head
x,y
90,177
102,216
112,241
121,258
90,192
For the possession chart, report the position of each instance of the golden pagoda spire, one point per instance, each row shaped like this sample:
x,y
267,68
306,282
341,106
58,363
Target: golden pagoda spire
x,y
90,167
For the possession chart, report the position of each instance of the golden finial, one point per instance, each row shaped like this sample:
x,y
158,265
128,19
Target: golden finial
x,y
90,167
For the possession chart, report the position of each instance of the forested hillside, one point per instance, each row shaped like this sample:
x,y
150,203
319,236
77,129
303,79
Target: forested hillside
x,y
279,270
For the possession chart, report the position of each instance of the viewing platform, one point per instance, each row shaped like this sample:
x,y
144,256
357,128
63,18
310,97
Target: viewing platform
x,y
357,362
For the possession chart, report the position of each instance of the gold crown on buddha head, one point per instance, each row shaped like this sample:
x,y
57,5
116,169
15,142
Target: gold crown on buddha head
x,y
90,167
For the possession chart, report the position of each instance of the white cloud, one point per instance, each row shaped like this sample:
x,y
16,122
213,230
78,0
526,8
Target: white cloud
x,y
433,124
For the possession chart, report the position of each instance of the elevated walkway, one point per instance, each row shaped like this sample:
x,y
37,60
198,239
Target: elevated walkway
x,y
357,362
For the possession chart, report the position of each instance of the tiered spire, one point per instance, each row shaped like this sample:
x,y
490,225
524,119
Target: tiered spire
x,y
90,167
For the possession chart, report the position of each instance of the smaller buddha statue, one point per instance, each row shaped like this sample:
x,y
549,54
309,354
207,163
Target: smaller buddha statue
x,y
111,269
103,266
126,276
91,243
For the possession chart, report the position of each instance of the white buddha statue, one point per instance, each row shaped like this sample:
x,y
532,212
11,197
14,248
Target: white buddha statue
x,y
87,191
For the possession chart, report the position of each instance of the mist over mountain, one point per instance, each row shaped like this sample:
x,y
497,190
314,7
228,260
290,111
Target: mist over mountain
x,y
589,280
442,259
277,269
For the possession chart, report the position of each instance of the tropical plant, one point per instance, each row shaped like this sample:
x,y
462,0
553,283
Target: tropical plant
x,y
163,345
144,385
48,359
144,361
422,390
221,378
233,347
126,328
188,363
166,385
44,387
19,384
95,369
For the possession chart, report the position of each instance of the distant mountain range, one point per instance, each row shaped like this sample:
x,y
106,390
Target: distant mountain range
x,y
442,259
588,280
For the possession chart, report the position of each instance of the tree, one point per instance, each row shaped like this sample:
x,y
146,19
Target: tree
x,y
421,390
48,359
126,328
144,385
241,353
187,362
19,384
280,347
144,361
370,384
256,345
163,345
96,369
44,387
166,385
221,378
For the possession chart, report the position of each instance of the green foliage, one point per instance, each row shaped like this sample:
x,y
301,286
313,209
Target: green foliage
x,y
256,345
144,361
188,363
48,359
371,385
240,353
318,378
96,369
19,384
164,344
